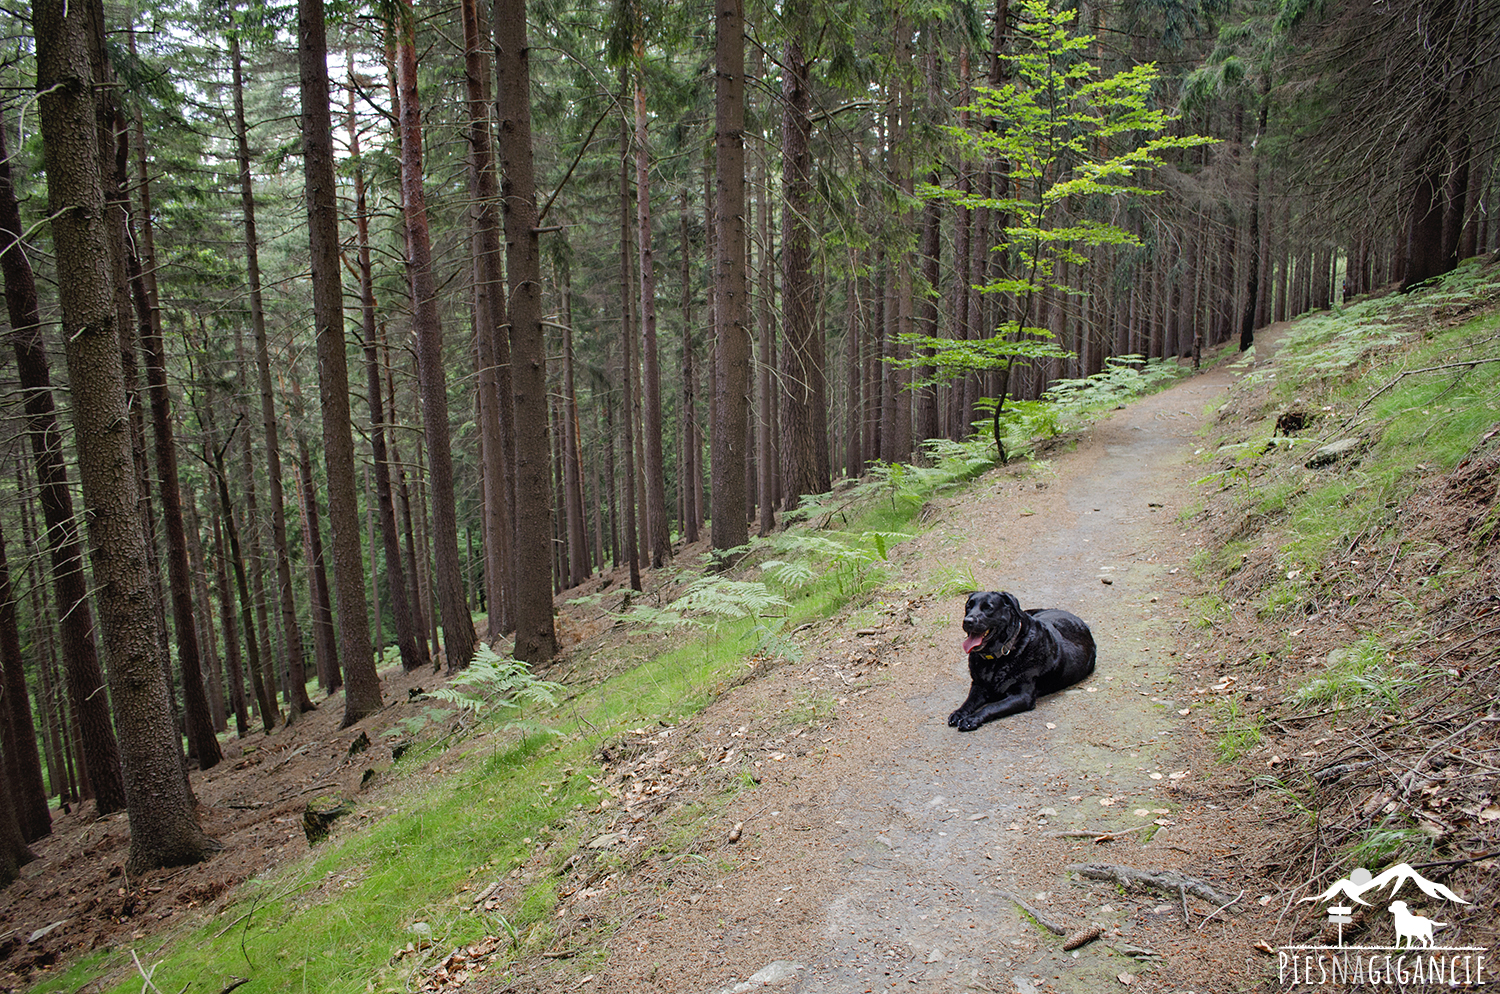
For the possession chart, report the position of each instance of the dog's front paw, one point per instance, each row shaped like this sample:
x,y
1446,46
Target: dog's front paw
x,y
964,721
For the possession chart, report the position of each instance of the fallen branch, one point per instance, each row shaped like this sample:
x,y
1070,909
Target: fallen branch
x,y
1465,861
1041,919
1100,836
1167,881
1470,363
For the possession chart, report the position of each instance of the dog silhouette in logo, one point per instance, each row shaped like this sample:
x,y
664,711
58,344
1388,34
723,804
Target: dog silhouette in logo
x,y
1412,928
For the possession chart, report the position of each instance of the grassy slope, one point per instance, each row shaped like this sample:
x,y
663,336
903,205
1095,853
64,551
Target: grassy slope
x,y
1292,545
407,876
1359,598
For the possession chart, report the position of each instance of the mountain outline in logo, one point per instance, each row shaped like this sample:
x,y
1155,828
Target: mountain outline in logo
x,y
1361,882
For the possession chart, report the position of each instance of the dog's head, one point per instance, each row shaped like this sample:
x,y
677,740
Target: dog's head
x,y
992,622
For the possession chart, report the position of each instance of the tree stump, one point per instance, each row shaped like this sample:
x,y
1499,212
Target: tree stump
x,y
319,816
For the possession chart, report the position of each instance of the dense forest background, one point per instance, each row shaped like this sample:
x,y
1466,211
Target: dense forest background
x,y
336,329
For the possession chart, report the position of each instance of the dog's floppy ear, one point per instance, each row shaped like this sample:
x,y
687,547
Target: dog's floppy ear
x,y
1010,599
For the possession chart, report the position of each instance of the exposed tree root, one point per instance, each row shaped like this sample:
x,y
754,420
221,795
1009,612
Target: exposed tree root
x,y
1167,881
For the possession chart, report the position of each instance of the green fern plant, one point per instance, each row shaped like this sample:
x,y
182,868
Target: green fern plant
x,y
720,597
498,686
805,558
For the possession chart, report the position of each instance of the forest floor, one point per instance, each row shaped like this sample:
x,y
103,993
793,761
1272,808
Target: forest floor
x,y
881,848
842,837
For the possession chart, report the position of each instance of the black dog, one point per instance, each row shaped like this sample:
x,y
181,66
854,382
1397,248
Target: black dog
x,y
1017,656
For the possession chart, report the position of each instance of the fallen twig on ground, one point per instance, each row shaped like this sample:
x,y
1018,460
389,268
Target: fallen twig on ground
x,y
1099,836
1219,909
1041,919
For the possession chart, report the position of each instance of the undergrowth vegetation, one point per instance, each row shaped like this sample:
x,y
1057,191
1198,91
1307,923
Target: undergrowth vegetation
x,y
503,779
1349,506
502,776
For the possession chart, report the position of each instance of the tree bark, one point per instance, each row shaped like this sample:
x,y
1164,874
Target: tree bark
x,y
207,637
802,374
13,851
627,371
731,322
291,629
490,333
459,638
536,638
237,695
319,594
23,762
412,657
930,251
654,465
362,693
688,471
84,676
765,442
578,547
164,829
202,741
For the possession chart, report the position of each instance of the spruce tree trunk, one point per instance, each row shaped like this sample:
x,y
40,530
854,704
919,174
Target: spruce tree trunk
x,y
688,472
536,638
875,370
207,636
265,701
578,547
802,374
71,64
412,656
766,445
325,636
254,560
627,371
654,466
13,851
23,761
84,676
291,628
418,607
59,761
490,331
362,692
237,697
202,741
731,317
853,412
459,639
611,475
930,251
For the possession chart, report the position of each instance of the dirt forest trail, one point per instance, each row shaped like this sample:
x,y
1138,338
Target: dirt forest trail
x,y
885,860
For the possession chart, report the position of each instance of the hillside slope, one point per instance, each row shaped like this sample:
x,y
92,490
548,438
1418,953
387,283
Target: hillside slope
x,y
1296,682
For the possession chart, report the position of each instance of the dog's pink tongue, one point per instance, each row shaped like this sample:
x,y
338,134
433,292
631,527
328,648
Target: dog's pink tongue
x,y
973,642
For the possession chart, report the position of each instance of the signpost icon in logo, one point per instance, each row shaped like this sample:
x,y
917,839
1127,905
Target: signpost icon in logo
x,y
1342,915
